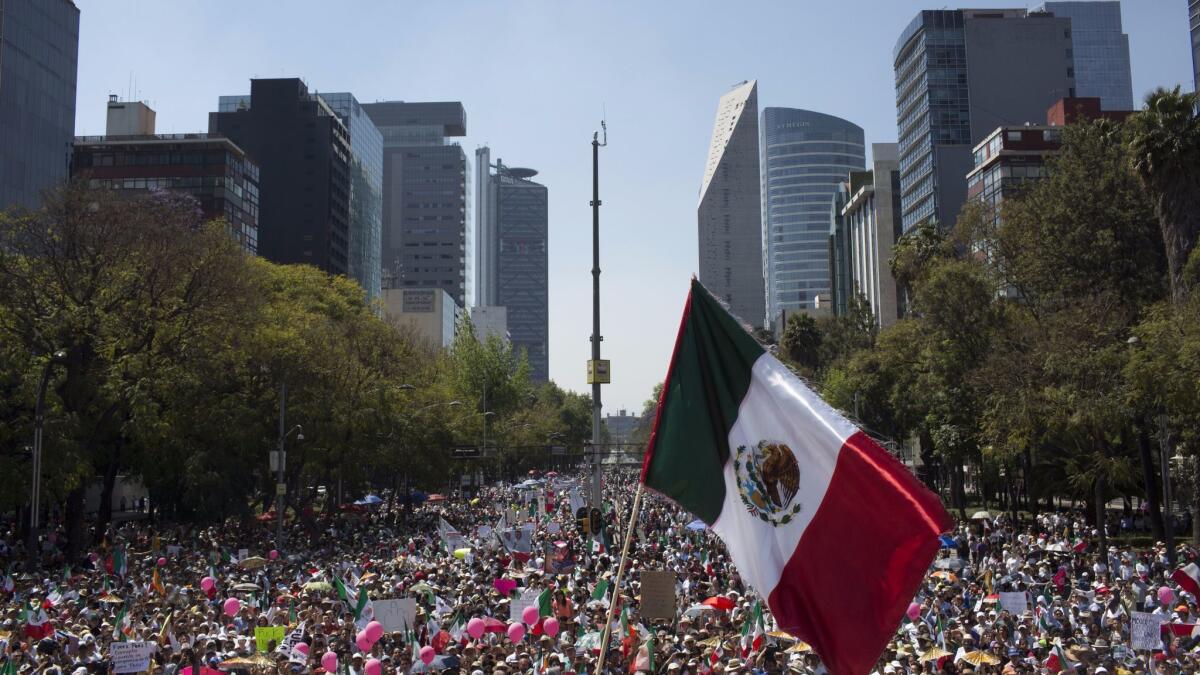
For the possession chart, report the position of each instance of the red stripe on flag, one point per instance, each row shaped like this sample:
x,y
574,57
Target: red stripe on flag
x,y
1186,577
662,397
851,578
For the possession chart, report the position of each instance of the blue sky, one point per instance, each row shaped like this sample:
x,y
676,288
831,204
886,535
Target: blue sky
x,y
535,78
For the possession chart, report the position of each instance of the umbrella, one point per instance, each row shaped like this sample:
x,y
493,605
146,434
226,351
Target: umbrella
x,y
436,498
370,500
253,563
491,625
319,586
109,598
239,663
719,602
588,642
696,525
981,515
947,541
713,642
933,654
247,587
440,662
552,474
949,564
799,648
780,635
943,574
424,589
696,610
978,658
267,517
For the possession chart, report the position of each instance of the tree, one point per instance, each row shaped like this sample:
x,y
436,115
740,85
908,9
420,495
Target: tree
x,y
801,343
1164,149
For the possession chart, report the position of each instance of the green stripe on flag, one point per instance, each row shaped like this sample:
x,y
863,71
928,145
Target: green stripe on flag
x,y
708,378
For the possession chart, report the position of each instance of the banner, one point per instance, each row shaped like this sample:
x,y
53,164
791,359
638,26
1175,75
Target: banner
x,y
397,614
559,558
131,657
1145,630
658,594
264,635
291,640
518,539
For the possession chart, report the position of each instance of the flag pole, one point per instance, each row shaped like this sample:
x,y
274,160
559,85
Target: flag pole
x,y
637,504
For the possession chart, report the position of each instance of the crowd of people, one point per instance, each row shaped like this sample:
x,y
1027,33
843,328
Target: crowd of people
x,y
1037,597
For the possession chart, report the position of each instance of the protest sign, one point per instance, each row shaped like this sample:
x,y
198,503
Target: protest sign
x,y
131,657
1145,630
1014,603
243,553
397,614
528,598
264,635
658,594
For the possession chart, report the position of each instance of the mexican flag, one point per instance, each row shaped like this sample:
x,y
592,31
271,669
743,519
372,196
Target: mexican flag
x,y
356,601
544,603
833,531
1188,578
752,631
122,627
1058,661
37,624
601,590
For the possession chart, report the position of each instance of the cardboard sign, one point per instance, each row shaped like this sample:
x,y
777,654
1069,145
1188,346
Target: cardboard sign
x,y
1146,630
264,635
528,598
396,615
131,657
658,594
1014,603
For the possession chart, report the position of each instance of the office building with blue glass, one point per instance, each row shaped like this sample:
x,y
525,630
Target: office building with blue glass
x,y
805,155
39,54
1100,51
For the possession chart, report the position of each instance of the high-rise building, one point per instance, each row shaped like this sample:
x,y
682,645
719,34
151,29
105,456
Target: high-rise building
x,y
513,226
39,54
805,155
959,75
1100,51
729,216
303,151
429,312
426,197
871,213
841,281
210,167
1194,22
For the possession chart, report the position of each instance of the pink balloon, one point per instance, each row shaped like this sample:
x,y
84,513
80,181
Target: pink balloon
x,y
427,654
361,641
329,662
232,605
550,626
374,631
475,628
505,586
1165,595
914,610
515,632
207,584
530,615
162,562
274,555
301,647
373,667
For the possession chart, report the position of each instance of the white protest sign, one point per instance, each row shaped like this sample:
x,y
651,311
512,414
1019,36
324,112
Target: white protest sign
x,y
131,657
529,597
397,614
1146,630
1014,603
243,553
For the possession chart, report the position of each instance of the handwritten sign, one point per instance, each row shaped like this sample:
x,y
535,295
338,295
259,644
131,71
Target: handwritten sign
x,y
658,594
397,614
1146,630
131,657
529,598
1014,603
265,635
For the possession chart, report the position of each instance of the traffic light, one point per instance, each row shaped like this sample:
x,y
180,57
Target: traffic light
x,y
581,517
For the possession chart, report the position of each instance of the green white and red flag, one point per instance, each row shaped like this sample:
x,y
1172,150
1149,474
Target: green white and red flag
x,y
820,520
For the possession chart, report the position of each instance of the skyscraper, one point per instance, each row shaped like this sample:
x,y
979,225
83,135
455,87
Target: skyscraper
x,y
1100,50
426,199
512,219
1194,22
805,155
959,75
728,217
303,151
39,53
871,213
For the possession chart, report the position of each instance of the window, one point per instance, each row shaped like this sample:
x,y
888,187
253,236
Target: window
x,y
1014,136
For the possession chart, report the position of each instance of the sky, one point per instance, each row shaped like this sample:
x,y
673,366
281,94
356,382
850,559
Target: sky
x,y
536,77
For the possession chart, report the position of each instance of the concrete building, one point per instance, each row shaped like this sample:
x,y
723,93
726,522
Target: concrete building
x,y
426,198
512,255
303,151
430,312
621,426
838,252
872,221
959,75
39,54
729,217
1100,49
805,155
490,320
213,169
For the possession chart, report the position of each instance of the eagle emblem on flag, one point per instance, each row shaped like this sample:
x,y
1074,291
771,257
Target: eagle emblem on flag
x,y
768,479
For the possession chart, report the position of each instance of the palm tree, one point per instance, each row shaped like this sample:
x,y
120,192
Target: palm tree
x,y
1164,143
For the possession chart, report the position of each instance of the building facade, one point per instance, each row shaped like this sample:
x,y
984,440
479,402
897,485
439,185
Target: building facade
x,y
213,169
729,216
959,74
838,253
872,221
39,55
303,152
1100,49
621,426
426,197
512,253
1194,23
490,320
429,312
805,155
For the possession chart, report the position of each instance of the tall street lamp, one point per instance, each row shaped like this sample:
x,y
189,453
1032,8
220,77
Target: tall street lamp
x,y
35,498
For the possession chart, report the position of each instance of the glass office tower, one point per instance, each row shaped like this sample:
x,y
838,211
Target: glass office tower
x,y
805,155
1101,51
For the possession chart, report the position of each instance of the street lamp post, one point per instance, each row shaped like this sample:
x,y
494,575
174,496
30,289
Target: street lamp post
x,y
596,337
35,497
280,464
